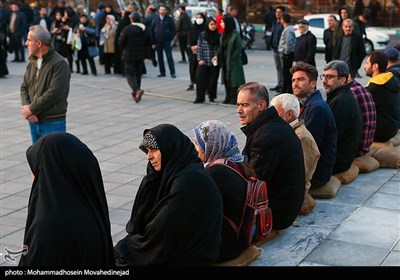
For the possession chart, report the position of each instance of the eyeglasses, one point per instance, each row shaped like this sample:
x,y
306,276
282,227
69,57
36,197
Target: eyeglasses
x,y
327,76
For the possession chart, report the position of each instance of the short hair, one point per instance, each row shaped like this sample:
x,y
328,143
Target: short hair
x,y
379,58
259,91
310,70
41,34
183,7
282,8
340,66
288,102
286,18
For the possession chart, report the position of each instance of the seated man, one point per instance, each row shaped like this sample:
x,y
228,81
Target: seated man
x,y
367,106
288,108
274,151
318,119
385,90
346,111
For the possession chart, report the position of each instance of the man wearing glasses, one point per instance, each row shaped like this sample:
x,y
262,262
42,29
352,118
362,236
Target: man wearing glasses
x,y
346,111
318,119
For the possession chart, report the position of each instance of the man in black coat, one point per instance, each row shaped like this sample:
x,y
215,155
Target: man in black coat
x,y
133,42
306,44
347,113
274,151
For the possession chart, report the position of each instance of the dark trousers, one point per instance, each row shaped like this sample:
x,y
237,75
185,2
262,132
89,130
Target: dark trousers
x,y
207,80
231,94
108,59
161,47
183,45
91,64
287,62
133,74
18,47
193,63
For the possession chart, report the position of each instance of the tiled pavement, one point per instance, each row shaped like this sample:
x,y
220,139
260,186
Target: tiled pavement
x,y
359,227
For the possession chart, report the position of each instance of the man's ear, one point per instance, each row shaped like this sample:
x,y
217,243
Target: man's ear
x,y
262,105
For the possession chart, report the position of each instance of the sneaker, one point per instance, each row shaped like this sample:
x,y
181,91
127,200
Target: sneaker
x,y
160,75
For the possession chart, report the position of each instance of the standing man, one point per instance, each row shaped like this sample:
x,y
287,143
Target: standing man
x,y
287,44
133,42
328,37
182,28
349,47
306,44
163,30
277,29
274,151
45,87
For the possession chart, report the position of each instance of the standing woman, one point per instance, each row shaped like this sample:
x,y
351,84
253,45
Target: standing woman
x,y
107,39
68,223
230,60
177,214
207,73
198,26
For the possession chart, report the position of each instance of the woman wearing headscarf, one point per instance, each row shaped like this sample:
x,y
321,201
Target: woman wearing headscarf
x,y
229,57
68,223
207,73
177,214
214,141
198,26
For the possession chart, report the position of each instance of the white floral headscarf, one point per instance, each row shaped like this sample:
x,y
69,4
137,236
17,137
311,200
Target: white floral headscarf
x,y
216,141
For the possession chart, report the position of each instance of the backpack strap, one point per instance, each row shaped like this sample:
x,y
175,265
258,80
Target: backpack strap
x,y
235,167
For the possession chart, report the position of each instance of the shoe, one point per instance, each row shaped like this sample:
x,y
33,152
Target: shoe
x,y
94,74
139,95
182,61
160,75
276,88
197,101
191,87
226,101
84,73
134,97
154,62
15,60
173,76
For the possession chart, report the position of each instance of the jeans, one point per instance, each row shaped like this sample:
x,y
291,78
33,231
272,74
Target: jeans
x,y
278,66
42,128
165,46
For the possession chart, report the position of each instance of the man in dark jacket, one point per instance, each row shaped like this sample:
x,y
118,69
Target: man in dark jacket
x,y
163,31
182,28
346,111
318,119
384,88
133,42
306,44
350,47
274,151
45,87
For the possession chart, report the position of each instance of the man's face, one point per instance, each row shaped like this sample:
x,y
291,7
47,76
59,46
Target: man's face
x,y
32,44
368,67
301,84
347,28
303,28
331,80
331,22
248,107
162,11
344,14
278,14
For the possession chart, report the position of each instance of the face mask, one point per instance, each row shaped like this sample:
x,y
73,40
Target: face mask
x,y
199,21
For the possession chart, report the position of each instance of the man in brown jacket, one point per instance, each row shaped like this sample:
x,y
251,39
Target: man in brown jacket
x,y
288,108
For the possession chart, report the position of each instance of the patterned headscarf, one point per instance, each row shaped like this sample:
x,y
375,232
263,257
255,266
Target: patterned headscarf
x,y
148,141
216,141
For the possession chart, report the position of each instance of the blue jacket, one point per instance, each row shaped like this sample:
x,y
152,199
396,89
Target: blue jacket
x,y
319,120
163,31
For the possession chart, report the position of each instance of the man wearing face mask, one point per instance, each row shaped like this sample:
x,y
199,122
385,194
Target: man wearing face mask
x,y
163,31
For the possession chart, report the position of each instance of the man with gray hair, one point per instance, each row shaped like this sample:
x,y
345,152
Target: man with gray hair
x,y
288,108
45,87
346,112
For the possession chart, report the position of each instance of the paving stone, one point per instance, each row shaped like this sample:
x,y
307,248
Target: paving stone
x,y
382,200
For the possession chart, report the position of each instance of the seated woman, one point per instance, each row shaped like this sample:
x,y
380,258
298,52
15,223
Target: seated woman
x,y
177,214
68,223
213,140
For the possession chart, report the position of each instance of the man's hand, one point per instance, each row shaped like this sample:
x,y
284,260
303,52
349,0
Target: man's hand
x,y
27,114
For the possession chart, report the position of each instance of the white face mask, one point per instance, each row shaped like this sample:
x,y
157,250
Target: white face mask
x,y
199,21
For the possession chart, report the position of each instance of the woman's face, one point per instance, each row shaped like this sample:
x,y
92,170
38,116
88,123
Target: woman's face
x,y
154,157
222,23
212,25
201,154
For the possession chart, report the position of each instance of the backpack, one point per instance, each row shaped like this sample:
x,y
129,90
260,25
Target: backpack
x,y
256,221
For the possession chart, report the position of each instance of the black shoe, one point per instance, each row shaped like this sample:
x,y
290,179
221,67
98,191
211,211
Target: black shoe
x,y
84,73
226,101
197,101
182,61
160,75
276,88
190,87
173,76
